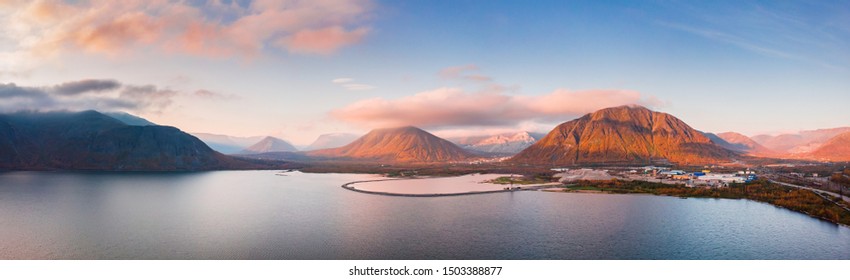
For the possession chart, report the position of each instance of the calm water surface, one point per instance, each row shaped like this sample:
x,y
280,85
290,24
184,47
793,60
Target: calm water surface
x,y
440,185
257,215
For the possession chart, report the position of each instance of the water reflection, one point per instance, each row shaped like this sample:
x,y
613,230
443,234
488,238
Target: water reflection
x,y
257,215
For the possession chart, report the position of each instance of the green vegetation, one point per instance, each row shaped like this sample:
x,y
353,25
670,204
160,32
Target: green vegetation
x,y
795,199
583,188
522,180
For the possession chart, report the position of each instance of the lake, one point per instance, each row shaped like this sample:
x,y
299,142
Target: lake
x,y
259,215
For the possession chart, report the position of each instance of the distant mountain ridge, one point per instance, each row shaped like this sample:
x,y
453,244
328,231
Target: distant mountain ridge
x,y
227,144
403,144
90,140
835,149
799,143
500,144
269,145
738,142
624,135
331,140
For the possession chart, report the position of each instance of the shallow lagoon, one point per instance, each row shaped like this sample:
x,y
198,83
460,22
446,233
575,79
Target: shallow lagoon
x,y
439,185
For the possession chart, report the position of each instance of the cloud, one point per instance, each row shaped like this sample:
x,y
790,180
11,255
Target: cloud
x,y
322,41
464,72
148,96
348,83
456,71
203,28
787,31
451,107
11,90
207,94
84,86
731,39
342,80
104,95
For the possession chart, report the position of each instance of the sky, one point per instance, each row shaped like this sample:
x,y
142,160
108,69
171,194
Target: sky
x,y
299,69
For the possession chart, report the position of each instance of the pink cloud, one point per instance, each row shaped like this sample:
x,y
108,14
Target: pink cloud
x,y
322,41
214,28
565,102
208,94
464,72
447,107
118,33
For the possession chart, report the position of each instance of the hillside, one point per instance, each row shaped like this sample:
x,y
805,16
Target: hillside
x,y
404,144
624,135
93,141
129,119
835,149
741,143
803,142
227,144
268,145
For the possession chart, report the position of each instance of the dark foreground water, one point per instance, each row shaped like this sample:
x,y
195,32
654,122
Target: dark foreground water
x,y
257,215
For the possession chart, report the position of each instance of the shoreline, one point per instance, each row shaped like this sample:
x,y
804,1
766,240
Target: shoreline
x,y
348,186
697,197
552,187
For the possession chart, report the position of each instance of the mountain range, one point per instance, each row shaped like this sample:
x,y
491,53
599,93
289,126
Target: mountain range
x,y
800,143
91,140
819,145
227,144
233,145
505,144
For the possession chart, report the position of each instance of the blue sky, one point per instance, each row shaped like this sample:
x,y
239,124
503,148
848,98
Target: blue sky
x,y
746,66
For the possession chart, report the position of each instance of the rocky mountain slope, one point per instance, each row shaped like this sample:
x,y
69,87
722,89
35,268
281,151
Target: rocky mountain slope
x,y
404,144
624,135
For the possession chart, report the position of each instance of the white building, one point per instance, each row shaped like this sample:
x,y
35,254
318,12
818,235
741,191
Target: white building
x,y
715,179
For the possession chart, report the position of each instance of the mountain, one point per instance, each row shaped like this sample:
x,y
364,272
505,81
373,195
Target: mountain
x,y
624,135
835,149
738,142
800,143
537,135
90,140
333,140
404,144
501,144
227,144
268,145
780,143
129,119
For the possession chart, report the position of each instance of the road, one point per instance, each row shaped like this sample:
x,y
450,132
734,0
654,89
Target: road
x,y
847,199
